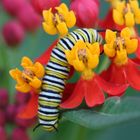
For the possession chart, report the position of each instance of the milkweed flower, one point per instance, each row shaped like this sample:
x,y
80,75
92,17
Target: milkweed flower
x,y
127,13
30,77
58,22
84,57
122,69
86,12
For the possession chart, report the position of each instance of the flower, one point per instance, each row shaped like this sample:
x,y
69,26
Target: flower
x,y
58,22
120,47
84,57
86,12
30,77
127,13
122,69
13,33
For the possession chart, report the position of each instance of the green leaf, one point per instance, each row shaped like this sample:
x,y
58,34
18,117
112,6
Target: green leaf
x,y
115,111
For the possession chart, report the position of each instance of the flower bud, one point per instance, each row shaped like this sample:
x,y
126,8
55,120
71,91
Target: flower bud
x,y
21,98
11,112
13,33
2,118
13,6
3,135
19,134
4,99
86,12
29,18
40,5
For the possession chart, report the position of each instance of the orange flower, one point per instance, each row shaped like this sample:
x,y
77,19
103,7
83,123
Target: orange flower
x,y
30,77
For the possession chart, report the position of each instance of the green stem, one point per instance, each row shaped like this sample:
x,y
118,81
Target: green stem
x,y
104,64
4,80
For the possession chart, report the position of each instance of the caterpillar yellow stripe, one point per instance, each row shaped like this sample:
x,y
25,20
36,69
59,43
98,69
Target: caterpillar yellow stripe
x,y
57,71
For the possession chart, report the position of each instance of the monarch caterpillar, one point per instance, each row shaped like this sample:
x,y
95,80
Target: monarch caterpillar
x,y
56,75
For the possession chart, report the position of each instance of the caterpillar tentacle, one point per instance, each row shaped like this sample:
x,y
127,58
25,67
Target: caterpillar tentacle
x,y
56,75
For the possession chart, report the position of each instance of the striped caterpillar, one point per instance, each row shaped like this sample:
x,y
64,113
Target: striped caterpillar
x,y
56,74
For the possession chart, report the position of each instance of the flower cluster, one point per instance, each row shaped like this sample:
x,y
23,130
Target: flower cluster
x,y
8,116
77,52
20,22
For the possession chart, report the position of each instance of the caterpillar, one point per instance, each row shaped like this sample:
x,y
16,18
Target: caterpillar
x,y
56,74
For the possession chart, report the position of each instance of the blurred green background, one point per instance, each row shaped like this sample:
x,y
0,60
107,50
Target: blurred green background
x,y
33,45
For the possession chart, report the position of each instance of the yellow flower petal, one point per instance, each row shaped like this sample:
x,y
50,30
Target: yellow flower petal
x,y
78,65
70,19
120,5
48,16
134,4
49,29
131,45
62,28
109,50
118,17
26,62
93,61
80,44
121,57
94,48
23,88
129,19
35,83
39,70
137,16
110,36
126,33
14,73
70,56
64,7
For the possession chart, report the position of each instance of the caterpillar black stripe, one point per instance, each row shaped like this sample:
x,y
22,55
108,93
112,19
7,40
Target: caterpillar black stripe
x,y
56,74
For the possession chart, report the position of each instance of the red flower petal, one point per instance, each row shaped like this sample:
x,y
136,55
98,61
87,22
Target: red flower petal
x,y
76,97
44,58
93,93
108,21
136,61
106,74
114,74
133,75
111,88
69,88
138,50
31,109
